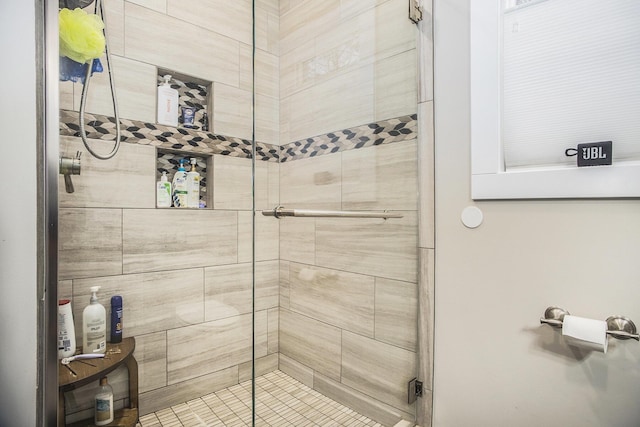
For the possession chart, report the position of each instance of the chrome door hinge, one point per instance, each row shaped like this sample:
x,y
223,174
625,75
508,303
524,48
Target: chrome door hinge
x,y
415,11
414,391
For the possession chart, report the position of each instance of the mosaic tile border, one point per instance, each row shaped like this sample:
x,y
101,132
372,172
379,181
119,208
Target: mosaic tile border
x,y
383,132
137,132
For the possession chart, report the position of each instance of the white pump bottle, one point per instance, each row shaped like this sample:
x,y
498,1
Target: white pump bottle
x,y
94,325
167,103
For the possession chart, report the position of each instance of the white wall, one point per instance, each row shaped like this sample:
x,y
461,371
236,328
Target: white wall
x,y
18,215
494,364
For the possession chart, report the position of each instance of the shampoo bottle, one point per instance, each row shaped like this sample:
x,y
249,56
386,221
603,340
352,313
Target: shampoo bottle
x,y
180,190
163,192
66,330
94,325
167,103
193,186
104,403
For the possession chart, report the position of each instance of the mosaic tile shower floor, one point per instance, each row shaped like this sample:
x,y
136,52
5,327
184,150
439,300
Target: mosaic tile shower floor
x,y
281,401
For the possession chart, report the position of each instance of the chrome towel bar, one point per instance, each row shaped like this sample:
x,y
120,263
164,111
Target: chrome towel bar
x,y
280,211
617,326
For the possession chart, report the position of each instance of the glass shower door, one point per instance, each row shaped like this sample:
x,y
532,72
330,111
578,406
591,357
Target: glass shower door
x,y
345,329
239,315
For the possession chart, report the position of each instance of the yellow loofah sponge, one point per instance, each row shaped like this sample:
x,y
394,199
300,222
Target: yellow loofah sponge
x,y
81,36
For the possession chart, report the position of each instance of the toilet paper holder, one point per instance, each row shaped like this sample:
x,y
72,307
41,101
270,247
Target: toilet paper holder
x,y
617,326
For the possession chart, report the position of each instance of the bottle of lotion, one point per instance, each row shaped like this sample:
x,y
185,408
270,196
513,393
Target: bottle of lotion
x,y
167,103
180,190
66,330
94,325
104,403
163,192
193,186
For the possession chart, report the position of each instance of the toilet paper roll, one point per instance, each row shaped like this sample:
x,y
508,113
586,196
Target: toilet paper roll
x,y
585,333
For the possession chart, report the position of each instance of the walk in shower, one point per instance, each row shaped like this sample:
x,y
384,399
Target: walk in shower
x,y
290,297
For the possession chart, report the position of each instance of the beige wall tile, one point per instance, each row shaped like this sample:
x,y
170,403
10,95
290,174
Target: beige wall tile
x,y
298,240
228,289
341,299
273,330
231,19
263,366
201,349
266,71
395,33
379,370
65,289
115,26
330,109
231,111
176,45
285,288
349,8
296,111
174,394
384,248
273,199
296,370
232,183
372,408
305,20
381,178
347,46
267,28
127,180
396,315
297,69
66,94
89,242
313,183
152,302
267,119
136,87
267,237
157,5
151,355
311,343
396,85
165,239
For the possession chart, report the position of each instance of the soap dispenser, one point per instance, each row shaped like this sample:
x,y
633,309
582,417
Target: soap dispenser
x,y
94,325
167,103
180,190
193,186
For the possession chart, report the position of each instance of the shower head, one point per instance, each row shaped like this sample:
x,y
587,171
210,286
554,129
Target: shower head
x,y
72,4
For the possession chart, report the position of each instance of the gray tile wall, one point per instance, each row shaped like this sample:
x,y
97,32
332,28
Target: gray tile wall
x,y
336,299
348,286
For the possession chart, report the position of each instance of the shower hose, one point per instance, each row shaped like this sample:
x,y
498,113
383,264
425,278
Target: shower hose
x,y
85,89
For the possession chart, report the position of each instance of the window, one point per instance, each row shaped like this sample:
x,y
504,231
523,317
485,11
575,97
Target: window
x,y
547,75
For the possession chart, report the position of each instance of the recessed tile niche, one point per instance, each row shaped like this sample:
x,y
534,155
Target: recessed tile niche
x,y
192,92
168,161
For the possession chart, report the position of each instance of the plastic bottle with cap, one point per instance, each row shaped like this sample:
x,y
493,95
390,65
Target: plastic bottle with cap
x,y
116,319
94,325
167,103
103,403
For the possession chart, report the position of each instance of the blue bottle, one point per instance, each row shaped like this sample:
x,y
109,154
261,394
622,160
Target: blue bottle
x,y
116,319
